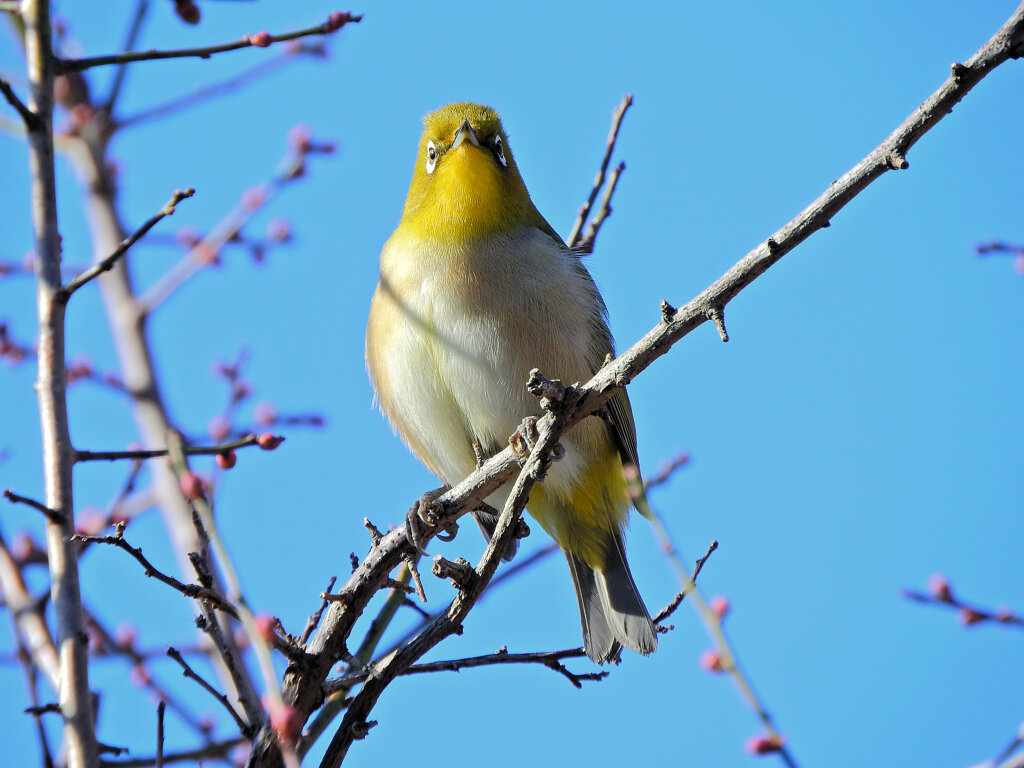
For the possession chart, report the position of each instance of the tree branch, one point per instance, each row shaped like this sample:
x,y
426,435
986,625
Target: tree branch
x,y
193,591
573,240
243,727
302,685
30,118
259,40
154,453
107,264
82,750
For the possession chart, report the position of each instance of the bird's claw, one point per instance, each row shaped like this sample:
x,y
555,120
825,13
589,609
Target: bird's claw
x,y
425,511
524,438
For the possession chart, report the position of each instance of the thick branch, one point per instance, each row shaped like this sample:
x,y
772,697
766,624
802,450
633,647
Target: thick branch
x,y
260,40
302,684
58,454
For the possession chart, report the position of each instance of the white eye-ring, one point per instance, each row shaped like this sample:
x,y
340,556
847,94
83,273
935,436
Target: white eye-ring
x,y
431,156
499,150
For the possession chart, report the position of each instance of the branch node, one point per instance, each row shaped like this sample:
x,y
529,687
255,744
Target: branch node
x,y
667,312
716,314
359,730
460,572
550,391
897,161
773,247
375,534
958,70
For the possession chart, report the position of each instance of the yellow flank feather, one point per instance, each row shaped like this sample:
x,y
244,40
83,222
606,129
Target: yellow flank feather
x,y
475,290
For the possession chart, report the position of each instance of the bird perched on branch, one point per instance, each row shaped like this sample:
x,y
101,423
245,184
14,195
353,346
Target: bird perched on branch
x,y
475,290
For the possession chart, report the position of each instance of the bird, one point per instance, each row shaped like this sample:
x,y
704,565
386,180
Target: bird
x,y
475,290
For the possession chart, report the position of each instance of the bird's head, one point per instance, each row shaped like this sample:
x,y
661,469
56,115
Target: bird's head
x,y
465,183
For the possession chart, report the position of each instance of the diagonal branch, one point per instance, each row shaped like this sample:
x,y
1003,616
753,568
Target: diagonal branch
x,y
259,40
302,686
573,239
108,263
188,450
243,727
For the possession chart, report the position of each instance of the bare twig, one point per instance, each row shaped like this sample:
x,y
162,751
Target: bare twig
x,y
314,620
215,751
194,591
255,72
107,264
30,118
665,472
669,609
51,514
243,727
260,40
141,8
188,450
586,243
970,614
613,134
549,659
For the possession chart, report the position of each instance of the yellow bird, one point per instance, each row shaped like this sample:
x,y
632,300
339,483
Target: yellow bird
x,y
475,290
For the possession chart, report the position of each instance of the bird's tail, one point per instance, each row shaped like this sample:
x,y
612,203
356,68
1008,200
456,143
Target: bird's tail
x,y
611,610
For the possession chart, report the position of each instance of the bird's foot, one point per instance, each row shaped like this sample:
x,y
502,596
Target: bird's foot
x,y
425,513
524,438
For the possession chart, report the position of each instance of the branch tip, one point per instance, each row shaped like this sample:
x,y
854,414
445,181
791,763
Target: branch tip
x,y
897,161
461,572
667,312
716,314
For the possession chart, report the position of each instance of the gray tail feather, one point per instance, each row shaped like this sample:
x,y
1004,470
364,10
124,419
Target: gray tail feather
x,y
488,522
611,610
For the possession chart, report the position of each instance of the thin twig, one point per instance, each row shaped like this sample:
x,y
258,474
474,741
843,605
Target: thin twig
x,y
141,8
30,118
314,620
215,751
104,266
155,453
193,591
160,708
669,609
586,244
549,659
260,40
51,514
970,614
613,134
203,94
243,727
666,471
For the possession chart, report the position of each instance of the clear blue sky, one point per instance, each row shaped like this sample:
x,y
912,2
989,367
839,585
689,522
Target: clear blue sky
x,y
863,428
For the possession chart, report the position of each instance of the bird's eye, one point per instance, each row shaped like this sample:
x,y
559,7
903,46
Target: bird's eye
x,y
431,156
499,150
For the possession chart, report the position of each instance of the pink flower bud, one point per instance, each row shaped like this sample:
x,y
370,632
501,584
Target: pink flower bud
x,y
192,486
286,723
337,20
265,626
253,198
939,588
712,661
299,138
279,230
139,675
187,11
226,460
719,605
268,441
219,428
260,39
189,237
264,414
764,745
90,522
125,635
969,616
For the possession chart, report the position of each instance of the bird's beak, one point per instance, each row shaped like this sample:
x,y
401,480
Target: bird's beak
x,y
465,133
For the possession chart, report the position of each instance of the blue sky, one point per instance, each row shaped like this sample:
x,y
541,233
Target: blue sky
x,y
861,430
